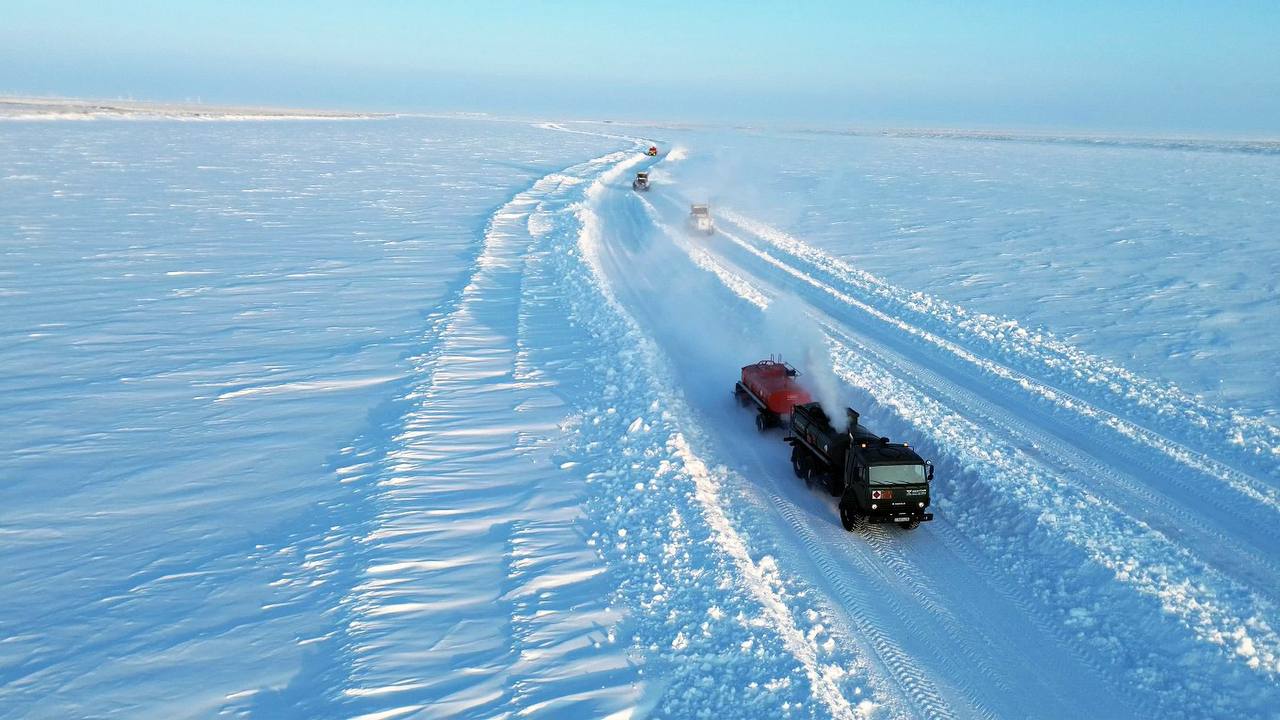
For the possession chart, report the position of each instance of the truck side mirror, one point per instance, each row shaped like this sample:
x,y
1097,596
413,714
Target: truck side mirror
x,y
928,471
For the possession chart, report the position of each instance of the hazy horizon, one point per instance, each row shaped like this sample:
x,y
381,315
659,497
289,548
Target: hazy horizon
x,y
1191,69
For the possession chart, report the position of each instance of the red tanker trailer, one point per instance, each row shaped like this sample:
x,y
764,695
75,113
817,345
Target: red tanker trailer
x,y
771,386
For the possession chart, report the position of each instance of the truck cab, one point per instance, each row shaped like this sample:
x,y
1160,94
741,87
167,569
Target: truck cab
x,y
884,482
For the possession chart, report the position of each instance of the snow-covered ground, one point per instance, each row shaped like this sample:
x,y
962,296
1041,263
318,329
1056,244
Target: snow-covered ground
x,y
431,418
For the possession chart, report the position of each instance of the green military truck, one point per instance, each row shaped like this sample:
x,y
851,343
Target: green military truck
x,y
877,481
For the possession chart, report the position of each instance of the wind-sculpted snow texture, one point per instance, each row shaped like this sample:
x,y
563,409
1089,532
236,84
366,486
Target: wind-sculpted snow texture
x,y
425,418
206,329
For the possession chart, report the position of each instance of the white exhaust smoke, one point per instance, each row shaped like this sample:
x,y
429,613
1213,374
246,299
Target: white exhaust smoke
x,y
788,329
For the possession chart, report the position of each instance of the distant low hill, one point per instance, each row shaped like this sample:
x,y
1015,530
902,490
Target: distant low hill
x,y
24,108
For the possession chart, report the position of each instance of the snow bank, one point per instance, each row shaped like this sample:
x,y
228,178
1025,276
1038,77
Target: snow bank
x,y
1247,440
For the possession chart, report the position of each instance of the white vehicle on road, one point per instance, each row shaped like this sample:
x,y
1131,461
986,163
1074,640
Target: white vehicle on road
x,y
700,218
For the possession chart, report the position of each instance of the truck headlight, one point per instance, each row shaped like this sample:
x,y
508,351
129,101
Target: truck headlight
x,y
921,504
873,506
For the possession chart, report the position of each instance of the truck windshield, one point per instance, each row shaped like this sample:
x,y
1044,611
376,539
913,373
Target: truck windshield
x,y
897,474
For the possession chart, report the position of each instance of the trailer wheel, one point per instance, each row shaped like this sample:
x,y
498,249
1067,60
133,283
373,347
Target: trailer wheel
x,y
739,393
909,525
762,422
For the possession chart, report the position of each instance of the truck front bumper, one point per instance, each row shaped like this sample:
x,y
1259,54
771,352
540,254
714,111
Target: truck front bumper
x,y
900,517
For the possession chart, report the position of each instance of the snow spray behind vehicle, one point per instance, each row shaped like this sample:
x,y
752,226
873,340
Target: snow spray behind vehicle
x,y
787,325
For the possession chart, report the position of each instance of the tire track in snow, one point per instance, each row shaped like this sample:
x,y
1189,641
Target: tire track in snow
x,y
754,575
1105,673
1251,441
888,550
1209,604
1215,547
913,682
1237,639
906,573
916,687
1232,635
919,691
1257,564
1084,522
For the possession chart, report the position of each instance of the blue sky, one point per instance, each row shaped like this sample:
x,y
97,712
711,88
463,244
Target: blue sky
x,y
1200,67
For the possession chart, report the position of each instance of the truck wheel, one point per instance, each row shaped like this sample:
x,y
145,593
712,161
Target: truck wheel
x,y
799,463
848,518
909,525
762,422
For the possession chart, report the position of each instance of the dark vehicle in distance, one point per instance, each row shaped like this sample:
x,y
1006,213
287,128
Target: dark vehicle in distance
x,y
641,183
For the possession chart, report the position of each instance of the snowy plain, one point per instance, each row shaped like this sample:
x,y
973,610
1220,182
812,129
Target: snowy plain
x,y
431,418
